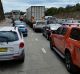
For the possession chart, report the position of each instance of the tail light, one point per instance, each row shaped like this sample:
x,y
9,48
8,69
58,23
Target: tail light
x,y
25,28
21,45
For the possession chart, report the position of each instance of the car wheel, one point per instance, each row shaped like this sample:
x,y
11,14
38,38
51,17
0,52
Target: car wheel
x,y
21,60
51,46
43,33
68,61
47,37
34,29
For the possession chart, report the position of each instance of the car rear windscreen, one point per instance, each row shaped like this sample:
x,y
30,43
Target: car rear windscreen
x,y
8,36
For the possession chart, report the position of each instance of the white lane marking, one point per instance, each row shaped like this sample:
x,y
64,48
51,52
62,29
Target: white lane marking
x,y
43,50
36,39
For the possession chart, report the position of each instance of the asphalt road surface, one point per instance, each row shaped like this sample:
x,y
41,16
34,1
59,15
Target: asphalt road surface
x,y
39,58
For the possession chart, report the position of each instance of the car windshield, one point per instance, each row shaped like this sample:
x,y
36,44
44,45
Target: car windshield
x,y
9,36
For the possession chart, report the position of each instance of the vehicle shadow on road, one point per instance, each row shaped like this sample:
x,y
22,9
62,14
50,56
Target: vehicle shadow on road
x,y
9,65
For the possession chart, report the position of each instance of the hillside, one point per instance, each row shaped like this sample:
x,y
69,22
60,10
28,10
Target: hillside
x,y
67,12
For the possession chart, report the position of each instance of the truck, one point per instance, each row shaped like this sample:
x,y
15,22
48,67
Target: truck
x,y
35,13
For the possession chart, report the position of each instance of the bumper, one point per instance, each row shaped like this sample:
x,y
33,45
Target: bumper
x,y
25,33
9,57
38,28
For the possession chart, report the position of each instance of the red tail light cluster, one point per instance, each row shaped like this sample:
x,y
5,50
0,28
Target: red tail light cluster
x,y
21,45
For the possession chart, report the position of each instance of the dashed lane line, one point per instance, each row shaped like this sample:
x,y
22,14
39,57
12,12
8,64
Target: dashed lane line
x,y
43,50
36,39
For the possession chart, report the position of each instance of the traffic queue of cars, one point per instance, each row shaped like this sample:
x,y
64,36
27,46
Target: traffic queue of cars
x,y
65,40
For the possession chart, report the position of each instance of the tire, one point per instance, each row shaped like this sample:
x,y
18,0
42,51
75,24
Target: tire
x,y
69,64
51,46
21,60
43,34
47,37
34,29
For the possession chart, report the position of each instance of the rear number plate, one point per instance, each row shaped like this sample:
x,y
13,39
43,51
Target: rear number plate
x,y
3,49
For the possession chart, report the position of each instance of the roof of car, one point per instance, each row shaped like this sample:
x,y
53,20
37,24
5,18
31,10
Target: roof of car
x,y
71,23
20,25
54,24
6,28
18,21
71,26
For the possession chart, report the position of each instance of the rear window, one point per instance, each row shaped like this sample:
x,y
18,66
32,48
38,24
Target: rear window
x,y
21,27
40,23
8,36
75,34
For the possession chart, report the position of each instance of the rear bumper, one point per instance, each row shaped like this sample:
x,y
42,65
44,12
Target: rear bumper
x,y
24,32
38,28
11,56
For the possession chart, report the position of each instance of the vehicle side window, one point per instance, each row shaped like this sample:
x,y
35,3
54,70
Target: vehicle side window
x,y
58,31
64,30
75,34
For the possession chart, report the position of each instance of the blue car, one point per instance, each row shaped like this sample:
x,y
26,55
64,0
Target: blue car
x,y
23,29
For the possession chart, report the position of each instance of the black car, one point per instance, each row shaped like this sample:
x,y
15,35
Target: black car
x,y
48,29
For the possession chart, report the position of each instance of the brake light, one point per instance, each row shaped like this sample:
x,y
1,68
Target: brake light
x,y
21,45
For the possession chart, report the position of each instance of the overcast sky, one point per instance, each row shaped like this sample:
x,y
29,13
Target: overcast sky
x,y
22,5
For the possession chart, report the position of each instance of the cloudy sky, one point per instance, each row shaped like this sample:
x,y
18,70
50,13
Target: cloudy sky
x,y
24,4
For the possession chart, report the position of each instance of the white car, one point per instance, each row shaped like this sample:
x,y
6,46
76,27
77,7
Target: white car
x,y
11,44
38,25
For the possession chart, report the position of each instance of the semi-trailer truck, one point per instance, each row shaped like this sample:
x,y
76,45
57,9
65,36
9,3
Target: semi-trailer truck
x,y
35,13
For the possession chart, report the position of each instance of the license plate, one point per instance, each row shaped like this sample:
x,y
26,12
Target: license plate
x,y
3,49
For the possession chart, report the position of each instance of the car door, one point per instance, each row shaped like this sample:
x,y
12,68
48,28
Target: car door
x,y
62,39
75,39
57,37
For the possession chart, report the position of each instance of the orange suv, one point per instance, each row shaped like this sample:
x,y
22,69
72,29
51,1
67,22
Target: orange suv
x,y
66,42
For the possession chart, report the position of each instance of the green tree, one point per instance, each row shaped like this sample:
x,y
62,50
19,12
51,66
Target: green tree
x,y
51,11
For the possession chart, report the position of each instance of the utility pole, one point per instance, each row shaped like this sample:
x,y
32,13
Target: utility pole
x,y
1,12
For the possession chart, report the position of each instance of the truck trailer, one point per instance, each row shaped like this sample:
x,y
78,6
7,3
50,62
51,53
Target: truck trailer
x,y
35,13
